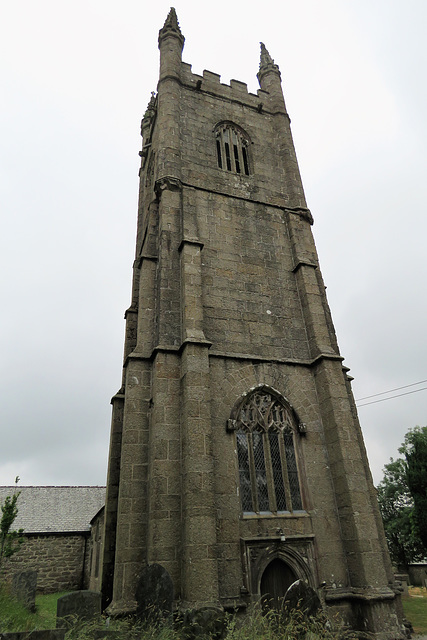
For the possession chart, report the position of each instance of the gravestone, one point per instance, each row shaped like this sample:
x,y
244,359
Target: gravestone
x,y
204,622
154,593
24,585
301,596
84,605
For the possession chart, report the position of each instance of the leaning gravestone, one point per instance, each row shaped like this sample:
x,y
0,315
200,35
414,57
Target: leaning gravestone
x,y
301,596
83,605
24,585
154,593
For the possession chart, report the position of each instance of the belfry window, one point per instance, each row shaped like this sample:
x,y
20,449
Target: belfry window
x,y
232,149
268,471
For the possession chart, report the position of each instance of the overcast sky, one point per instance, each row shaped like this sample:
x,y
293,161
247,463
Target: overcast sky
x,y
75,79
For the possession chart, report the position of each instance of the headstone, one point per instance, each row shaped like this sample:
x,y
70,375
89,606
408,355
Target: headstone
x,y
82,605
154,593
24,585
301,596
206,622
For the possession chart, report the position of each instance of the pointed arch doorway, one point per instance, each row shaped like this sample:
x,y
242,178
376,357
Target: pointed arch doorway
x,y
275,581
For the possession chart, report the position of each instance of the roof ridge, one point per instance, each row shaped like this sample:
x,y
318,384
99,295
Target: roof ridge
x,y
53,486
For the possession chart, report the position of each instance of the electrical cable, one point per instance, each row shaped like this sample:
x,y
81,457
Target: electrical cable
x,y
414,384
391,397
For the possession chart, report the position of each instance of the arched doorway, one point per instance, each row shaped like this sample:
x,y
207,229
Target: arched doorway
x,y
275,581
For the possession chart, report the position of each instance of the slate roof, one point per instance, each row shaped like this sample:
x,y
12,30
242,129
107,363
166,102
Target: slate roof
x,y
55,509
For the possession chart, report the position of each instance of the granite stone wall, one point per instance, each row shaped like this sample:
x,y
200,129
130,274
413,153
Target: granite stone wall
x,y
418,574
61,561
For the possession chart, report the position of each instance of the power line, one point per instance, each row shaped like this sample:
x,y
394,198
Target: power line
x,y
391,397
414,384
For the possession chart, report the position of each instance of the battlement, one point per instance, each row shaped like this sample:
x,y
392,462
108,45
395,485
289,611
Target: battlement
x,y
211,83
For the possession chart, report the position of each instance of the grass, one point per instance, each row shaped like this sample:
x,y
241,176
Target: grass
x,y
258,627
15,617
273,626
415,608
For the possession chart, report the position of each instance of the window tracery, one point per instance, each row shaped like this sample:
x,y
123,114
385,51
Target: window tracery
x,y
268,471
232,148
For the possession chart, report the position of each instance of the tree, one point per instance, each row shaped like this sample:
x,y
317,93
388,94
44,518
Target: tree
x,y
415,451
9,538
396,508
397,499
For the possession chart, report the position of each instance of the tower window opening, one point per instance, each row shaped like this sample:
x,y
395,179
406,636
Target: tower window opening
x,y
236,158
218,153
231,149
227,156
245,160
268,471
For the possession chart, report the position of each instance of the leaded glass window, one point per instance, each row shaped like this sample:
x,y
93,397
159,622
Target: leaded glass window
x,y
232,149
244,472
268,471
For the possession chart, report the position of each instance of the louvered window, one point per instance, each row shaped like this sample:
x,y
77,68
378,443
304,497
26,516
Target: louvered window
x,y
268,471
232,149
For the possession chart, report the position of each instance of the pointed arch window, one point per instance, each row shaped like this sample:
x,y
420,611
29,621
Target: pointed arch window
x,y
268,471
232,148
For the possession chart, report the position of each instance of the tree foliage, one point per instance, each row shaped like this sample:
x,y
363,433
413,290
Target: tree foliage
x,y
415,451
397,497
9,538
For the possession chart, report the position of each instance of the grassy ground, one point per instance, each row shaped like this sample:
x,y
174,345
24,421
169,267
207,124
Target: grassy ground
x,y
15,617
415,608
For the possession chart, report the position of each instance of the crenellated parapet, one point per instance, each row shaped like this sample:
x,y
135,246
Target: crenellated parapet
x,y
210,83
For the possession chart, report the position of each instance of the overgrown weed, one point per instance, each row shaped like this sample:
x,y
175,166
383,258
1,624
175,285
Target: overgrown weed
x,y
275,625
258,626
254,626
118,629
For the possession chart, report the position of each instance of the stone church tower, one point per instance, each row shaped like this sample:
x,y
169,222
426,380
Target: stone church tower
x,y
236,461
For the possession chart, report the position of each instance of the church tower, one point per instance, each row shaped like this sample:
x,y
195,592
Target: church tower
x,y
236,459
